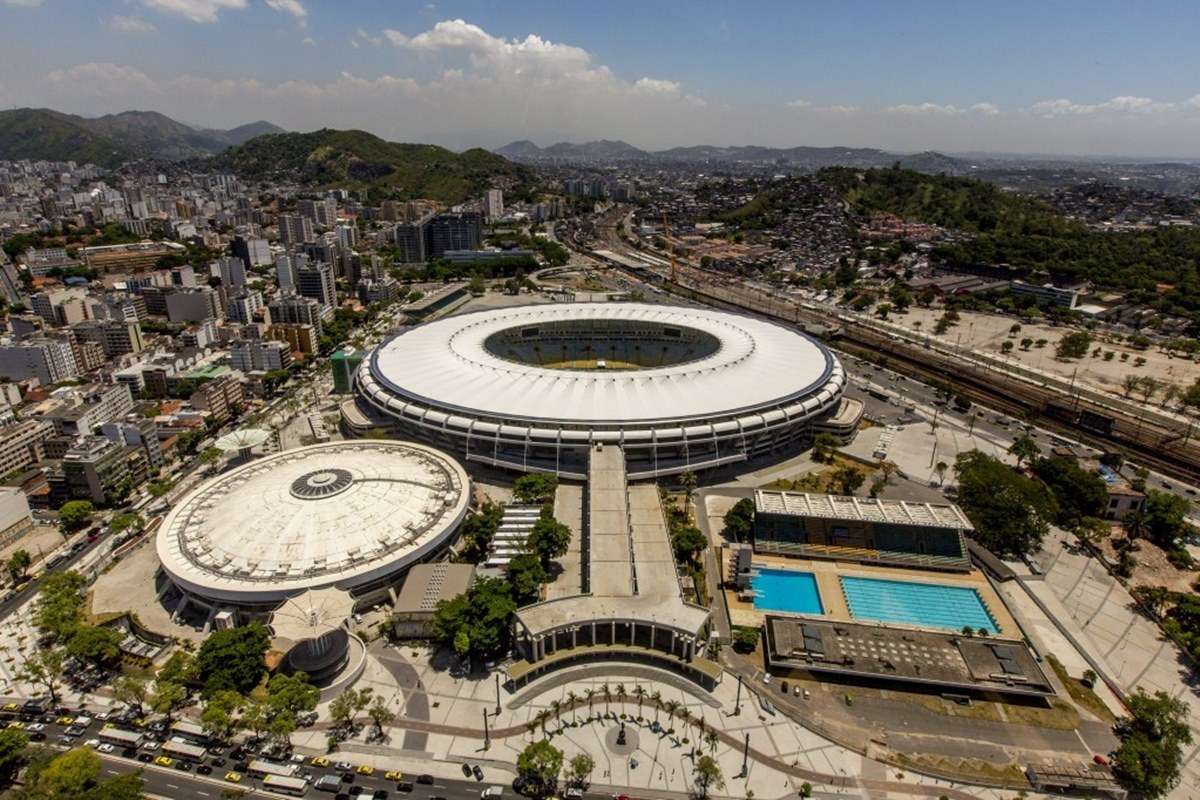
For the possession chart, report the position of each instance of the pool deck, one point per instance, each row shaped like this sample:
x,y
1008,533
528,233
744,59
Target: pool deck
x,y
827,574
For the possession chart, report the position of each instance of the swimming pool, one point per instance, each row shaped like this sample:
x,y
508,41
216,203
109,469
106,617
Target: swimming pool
x,y
927,605
786,590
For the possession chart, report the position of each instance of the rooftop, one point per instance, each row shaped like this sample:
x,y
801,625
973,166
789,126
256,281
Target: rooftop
x,y
828,506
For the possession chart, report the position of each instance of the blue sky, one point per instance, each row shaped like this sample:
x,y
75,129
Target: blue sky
x,y
1066,77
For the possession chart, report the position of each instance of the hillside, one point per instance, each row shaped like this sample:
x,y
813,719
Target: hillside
x,y
358,159
45,135
1031,237
113,138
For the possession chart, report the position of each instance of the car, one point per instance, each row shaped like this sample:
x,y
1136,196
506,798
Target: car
x,y
466,770
344,766
92,743
233,777
64,720
129,752
425,779
36,726
320,761
151,745
477,772
365,769
380,794
11,707
347,777
204,769
105,747
145,758
218,762
164,761
404,786
36,736
16,724
183,766
393,775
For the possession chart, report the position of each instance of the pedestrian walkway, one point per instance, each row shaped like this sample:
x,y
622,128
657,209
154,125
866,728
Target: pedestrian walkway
x,y
1130,648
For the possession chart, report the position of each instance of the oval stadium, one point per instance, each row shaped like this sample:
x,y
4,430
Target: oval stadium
x,y
529,388
351,515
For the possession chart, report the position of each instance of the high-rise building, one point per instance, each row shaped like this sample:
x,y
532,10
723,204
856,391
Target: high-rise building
x,y
322,212
117,337
459,230
48,360
232,271
493,204
295,229
257,355
411,240
193,305
285,271
252,251
317,281
345,363
243,307
296,309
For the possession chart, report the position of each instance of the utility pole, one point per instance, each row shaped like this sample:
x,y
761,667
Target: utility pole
x,y
487,739
737,703
497,694
746,757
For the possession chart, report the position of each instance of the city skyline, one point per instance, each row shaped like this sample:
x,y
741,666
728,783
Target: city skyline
x,y
1073,79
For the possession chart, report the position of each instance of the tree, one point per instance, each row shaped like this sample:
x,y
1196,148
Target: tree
x,y
1165,517
12,752
1078,492
847,479
1025,449
167,697
233,658
549,538
688,542
218,717
75,774
209,456
707,774
1010,512
74,514
739,520
380,715
1149,758
823,447
179,668
1074,345
93,644
745,638
342,708
940,468
292,694
123,522
483,613
18,565
580,770
687,482
132,690
44,668
526,574
535,487
59,610
539,765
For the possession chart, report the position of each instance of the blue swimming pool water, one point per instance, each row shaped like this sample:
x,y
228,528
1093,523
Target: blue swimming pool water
x,y
786,590
926,605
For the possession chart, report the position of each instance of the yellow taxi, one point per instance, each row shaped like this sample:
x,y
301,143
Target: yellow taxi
x,y
164,761
12,707
233,777
320,761
65,720
365,769
393,775
17,724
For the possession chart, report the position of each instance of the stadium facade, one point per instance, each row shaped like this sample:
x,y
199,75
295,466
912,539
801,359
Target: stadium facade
x,y
531,388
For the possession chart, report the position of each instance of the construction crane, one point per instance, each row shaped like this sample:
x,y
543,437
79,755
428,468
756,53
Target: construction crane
x,y
670,250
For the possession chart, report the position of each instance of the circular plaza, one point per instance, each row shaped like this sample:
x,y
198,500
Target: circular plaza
x,y
531,388
349,515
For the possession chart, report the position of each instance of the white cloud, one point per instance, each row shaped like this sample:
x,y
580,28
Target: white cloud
x,y
195,10
292,7
987,109
308,40
362,37
1124,104
654,86
395,37
131,25
923,108
798,104
97,78
21,3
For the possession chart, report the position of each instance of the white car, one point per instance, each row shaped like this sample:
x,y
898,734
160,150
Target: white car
x,y
36,726
105,747
92,743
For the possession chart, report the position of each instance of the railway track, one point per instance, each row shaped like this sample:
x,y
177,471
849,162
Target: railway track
x,y
1171,452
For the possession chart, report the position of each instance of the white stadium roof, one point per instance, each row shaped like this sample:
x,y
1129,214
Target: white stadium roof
x,y
339,514
446,365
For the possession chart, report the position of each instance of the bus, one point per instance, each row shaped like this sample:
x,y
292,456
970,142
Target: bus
x,y
119,736
260,768
297,787
178,747
189,730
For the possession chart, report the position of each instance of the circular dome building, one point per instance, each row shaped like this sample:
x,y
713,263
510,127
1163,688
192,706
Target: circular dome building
x,y
530,388
350,515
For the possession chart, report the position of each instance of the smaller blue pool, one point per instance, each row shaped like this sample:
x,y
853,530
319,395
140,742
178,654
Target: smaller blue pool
x,y
786,590
927,605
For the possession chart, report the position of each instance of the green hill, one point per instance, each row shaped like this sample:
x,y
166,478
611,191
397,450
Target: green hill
x,y
38,133
358,159
112,139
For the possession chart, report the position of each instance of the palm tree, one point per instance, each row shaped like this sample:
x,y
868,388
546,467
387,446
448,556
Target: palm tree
x,y
555,707
656,698
531,726
670,707
639,691
572,698
589,693
607,696
620,692
940,469
711,739
685,717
